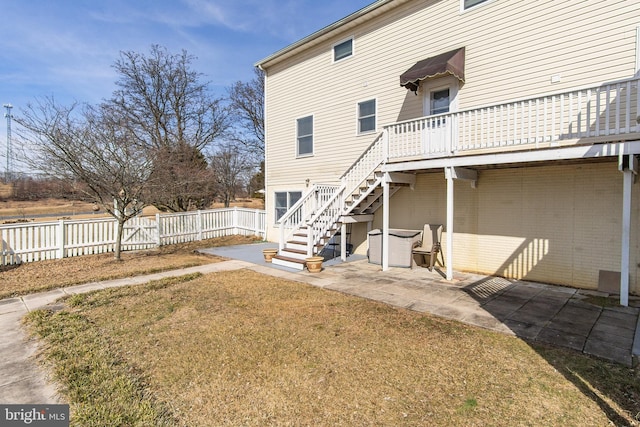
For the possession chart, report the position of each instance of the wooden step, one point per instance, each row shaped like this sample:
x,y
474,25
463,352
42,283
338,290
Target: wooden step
x,y
293,253
288,262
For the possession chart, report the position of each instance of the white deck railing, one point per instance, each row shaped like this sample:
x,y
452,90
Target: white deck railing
x,y
36,241
585,115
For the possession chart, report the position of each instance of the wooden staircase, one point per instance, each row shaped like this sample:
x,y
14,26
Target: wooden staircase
x,y
366,200
295,250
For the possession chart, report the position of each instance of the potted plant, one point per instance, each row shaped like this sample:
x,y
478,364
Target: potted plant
x,y
314,264
269,254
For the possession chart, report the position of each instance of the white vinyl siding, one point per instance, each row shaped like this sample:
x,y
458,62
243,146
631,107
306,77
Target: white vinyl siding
x,y
586,42
367,116
528,42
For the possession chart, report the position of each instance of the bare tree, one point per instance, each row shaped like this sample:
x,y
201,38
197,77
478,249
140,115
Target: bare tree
x,y
247,106
91,145
231,168
165,102
170,111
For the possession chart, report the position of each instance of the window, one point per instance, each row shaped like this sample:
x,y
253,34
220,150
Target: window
x,y
284,201
342,50
305,136
466,4
440,101
367,116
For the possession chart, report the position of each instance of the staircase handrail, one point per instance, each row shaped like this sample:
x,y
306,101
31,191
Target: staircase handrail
x,y
321,221
302,210
366,164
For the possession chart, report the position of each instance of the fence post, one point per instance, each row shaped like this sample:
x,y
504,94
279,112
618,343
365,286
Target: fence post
x,y
159,231
256,218
199,219
235,220
60,239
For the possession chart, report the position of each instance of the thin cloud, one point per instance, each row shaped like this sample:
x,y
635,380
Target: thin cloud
x,y
66,48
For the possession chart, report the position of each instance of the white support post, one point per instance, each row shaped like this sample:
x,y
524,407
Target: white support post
x,y
626,237
310,238
343,242
385,224
281,238
449,176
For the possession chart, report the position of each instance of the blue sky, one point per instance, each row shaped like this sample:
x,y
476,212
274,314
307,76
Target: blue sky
x,y
66,48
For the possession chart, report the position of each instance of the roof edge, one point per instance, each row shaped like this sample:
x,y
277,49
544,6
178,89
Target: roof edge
x,y
326,30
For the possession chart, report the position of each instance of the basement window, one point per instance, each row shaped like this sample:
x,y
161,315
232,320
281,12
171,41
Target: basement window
x,y
284,200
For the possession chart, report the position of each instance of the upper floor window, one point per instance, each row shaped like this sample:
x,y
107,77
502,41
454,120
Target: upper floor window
x,y
467,4
343,50
304,132
367,116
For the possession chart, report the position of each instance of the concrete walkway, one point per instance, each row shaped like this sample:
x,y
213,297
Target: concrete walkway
x,y
533,311
22,379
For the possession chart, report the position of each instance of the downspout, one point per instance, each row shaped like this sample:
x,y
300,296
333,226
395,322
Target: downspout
x,y
266,196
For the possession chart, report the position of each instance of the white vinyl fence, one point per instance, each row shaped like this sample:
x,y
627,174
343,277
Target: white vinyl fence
x,y
28,242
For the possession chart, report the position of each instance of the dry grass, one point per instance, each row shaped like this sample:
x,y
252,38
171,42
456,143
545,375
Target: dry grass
x,y
44,275
241,348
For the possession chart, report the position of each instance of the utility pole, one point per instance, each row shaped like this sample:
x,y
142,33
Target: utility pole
x,y
9,169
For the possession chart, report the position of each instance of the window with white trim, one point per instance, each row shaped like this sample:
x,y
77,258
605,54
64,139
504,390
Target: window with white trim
x,y
342,50
468,4
367,116
304,136
284,200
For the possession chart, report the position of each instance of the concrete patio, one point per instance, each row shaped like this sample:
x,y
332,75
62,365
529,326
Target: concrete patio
x,y
536,312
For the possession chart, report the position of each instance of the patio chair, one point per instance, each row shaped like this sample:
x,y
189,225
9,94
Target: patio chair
x,y
429,247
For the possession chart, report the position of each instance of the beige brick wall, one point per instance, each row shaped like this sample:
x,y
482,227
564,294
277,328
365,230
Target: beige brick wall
x,y
553,224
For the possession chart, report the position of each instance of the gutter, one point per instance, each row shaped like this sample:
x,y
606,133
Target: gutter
x,y
282,53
